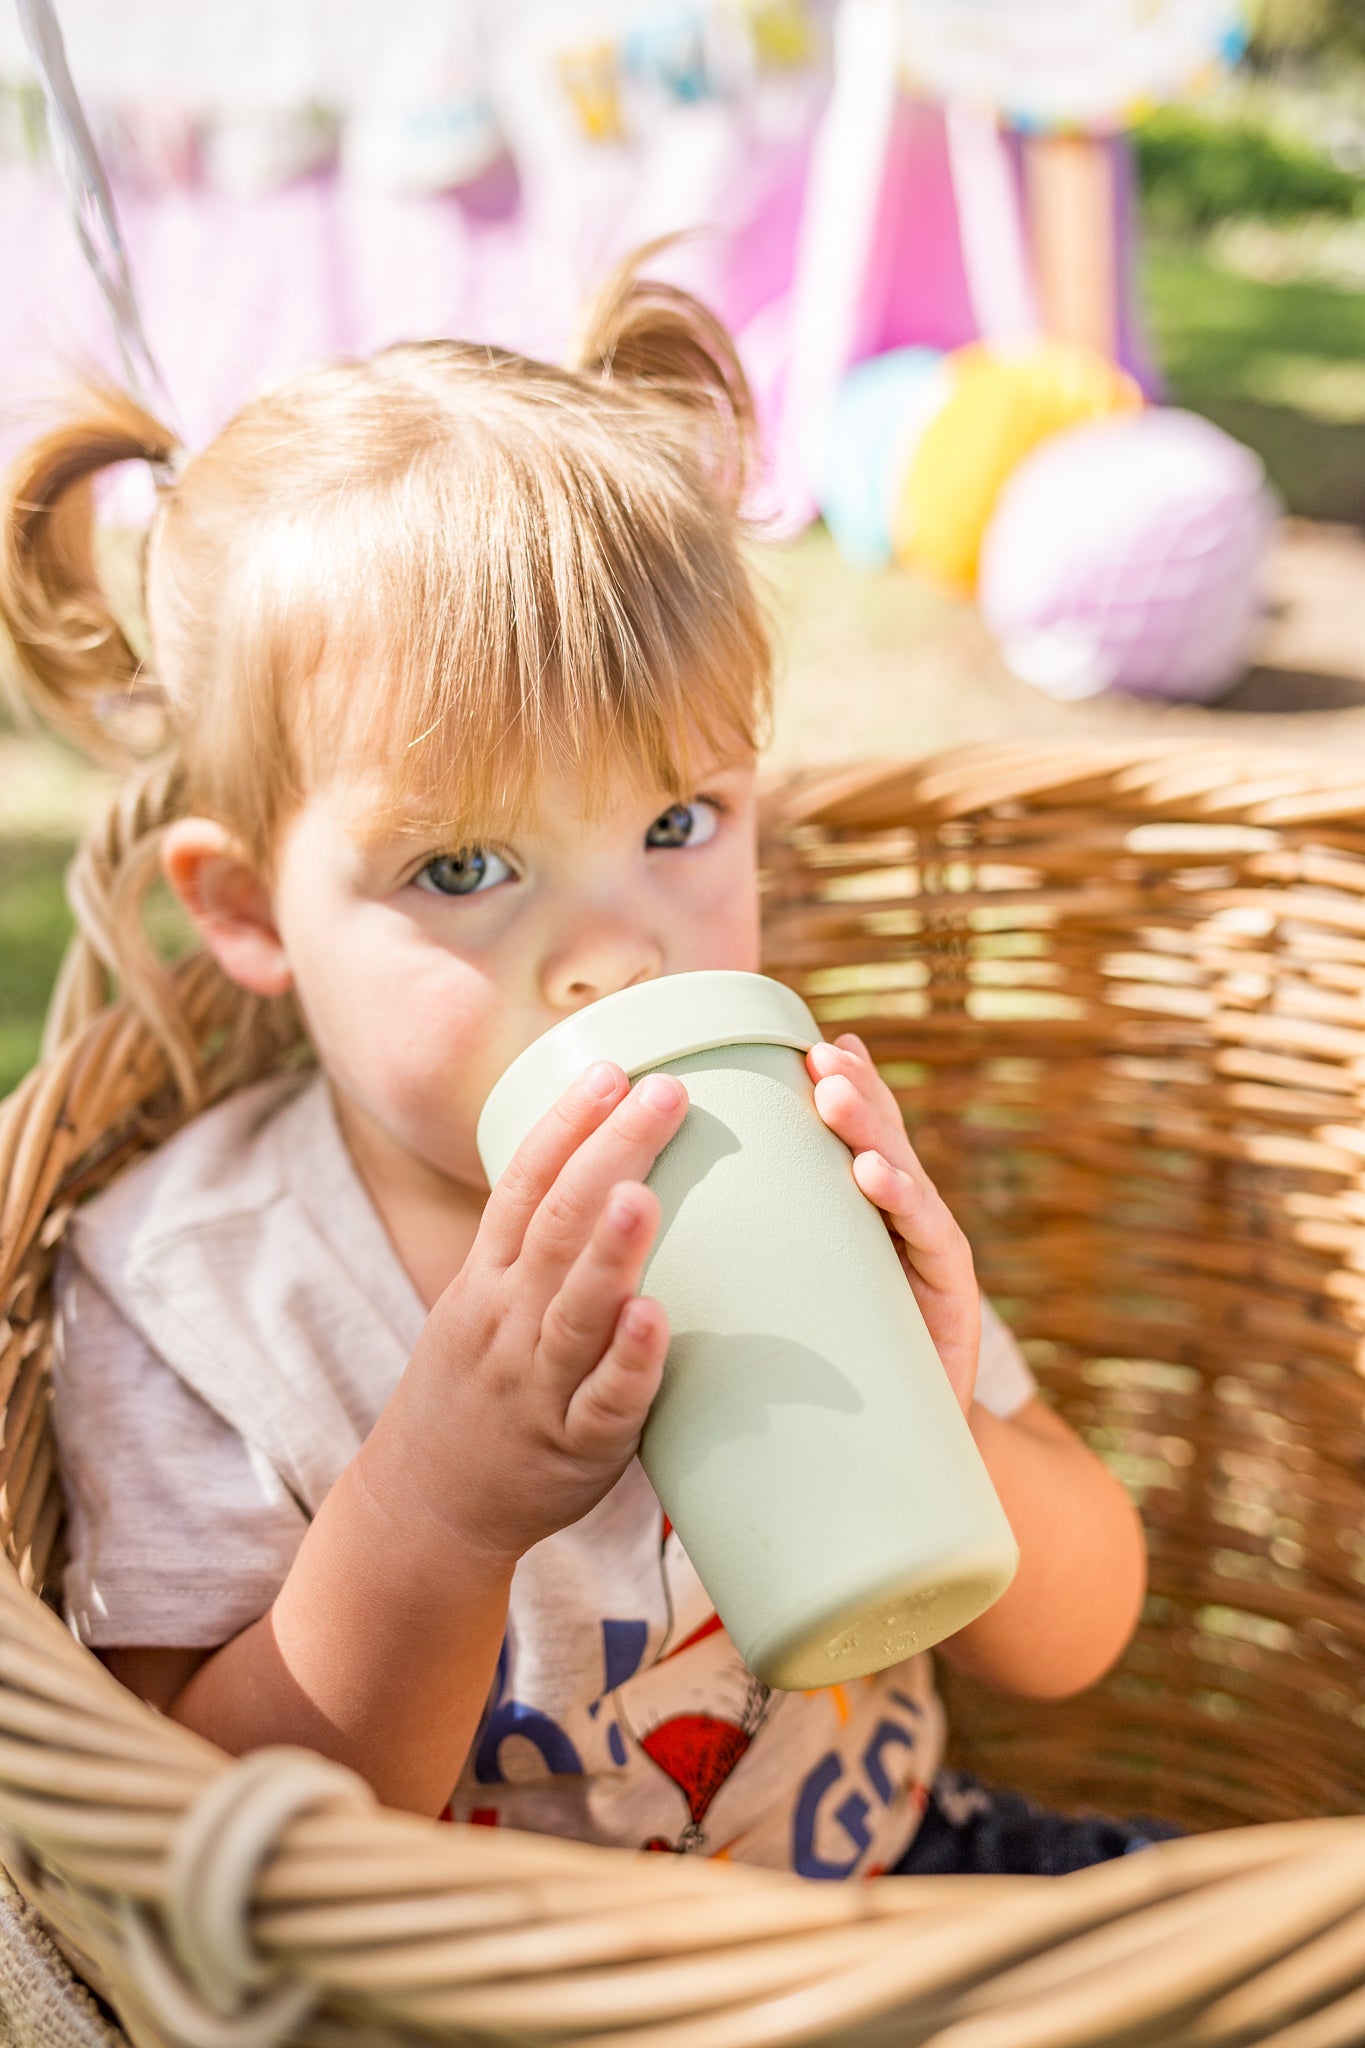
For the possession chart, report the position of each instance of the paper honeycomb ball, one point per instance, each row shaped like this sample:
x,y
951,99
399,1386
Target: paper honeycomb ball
x,y
1002,404
1126,554
879,413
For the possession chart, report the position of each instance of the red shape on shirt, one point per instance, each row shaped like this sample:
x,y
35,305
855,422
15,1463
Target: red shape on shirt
x,y
698,1753
709,1627
483,1816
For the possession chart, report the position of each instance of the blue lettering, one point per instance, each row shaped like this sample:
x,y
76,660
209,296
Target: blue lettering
x,y
885,1735
623,1645
509,1717
851,1816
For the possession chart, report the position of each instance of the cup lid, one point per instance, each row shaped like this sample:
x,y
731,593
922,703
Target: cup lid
x,y
638,1028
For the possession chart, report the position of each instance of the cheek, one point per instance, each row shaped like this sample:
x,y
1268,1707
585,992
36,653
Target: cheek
x,y
736,942
728,921
398,1017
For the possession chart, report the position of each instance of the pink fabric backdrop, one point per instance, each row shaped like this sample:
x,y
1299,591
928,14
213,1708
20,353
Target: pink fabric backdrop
x,y
236,292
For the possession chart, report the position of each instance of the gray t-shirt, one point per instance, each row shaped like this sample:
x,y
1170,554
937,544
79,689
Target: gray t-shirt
x,y
232,1318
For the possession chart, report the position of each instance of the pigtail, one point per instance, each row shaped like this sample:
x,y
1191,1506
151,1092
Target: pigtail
x,y
659,338
71,658
75,666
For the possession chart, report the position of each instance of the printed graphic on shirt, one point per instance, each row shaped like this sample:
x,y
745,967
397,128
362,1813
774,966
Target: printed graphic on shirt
x,y
696,1711
683,1724
512,1722
694,1715
843,1798
669,1751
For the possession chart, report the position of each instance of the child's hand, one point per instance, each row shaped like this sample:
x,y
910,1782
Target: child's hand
x,y
524,1400
858,1106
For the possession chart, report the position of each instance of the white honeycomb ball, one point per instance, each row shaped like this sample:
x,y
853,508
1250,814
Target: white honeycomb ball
x,y
1126,554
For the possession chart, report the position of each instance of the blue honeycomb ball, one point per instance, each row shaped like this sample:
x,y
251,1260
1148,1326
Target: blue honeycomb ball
x,y
881,409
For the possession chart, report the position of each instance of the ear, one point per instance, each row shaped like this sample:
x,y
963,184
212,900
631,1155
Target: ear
x,y
229,902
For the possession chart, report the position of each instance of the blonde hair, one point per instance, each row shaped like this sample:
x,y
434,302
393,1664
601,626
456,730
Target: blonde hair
x,y
468,566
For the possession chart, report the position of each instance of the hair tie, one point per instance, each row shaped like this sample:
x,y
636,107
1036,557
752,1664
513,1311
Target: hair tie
x,y
168,469
110,704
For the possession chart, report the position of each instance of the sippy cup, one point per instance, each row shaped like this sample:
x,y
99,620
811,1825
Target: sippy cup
x,y
805,1442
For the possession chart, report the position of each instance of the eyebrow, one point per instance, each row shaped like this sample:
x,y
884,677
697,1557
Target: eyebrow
x,y
454,830
375,833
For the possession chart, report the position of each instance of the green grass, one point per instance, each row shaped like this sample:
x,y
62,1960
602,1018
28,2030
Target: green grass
x,y
1281,366
1196,172
34,926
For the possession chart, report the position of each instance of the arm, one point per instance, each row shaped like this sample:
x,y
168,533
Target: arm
x,y
519,1409
1075,1599
379,1648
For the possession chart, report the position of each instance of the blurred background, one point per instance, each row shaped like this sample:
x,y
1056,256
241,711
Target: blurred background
x,y
1054,311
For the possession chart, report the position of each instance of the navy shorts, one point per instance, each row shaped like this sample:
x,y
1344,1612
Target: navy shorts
x,y
971,1827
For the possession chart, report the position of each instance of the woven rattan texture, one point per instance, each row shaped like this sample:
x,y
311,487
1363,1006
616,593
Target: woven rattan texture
x,y
1119,998
1121,1004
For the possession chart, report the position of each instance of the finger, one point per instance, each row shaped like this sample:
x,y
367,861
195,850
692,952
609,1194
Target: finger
x,y
624,1147
859,1108
540,1158
849,1059
578,1324
847,1041
937,1261
608,1408
933,1238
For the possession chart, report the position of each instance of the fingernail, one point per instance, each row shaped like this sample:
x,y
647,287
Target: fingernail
x,y
659,1092
637,1320
621,1214
601,1078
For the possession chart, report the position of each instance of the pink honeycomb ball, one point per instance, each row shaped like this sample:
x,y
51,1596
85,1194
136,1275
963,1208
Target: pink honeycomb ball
x,y
1126,554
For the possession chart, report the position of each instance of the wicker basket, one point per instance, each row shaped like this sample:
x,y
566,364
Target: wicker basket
x,y
1120,997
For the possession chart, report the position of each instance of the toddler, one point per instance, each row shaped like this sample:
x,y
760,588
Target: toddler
x,y
465,675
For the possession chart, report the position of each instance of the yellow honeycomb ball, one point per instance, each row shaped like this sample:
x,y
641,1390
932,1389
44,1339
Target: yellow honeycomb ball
x,y
1001,405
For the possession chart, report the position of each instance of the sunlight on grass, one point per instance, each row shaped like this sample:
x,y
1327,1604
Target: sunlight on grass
x,y
1277,365
1326,391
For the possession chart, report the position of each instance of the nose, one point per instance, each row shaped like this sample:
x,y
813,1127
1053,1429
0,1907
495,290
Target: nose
x,y
596,959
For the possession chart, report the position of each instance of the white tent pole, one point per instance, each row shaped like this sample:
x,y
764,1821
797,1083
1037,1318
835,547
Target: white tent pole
x,y
92,204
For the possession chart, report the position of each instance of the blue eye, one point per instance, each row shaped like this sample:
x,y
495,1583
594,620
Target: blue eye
x,y
685,824
472,871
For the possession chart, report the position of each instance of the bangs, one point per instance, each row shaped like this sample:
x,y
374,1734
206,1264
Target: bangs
x,y
454,576
496,618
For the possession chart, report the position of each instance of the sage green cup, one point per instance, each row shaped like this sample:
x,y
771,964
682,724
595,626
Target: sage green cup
x,y
805,1442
